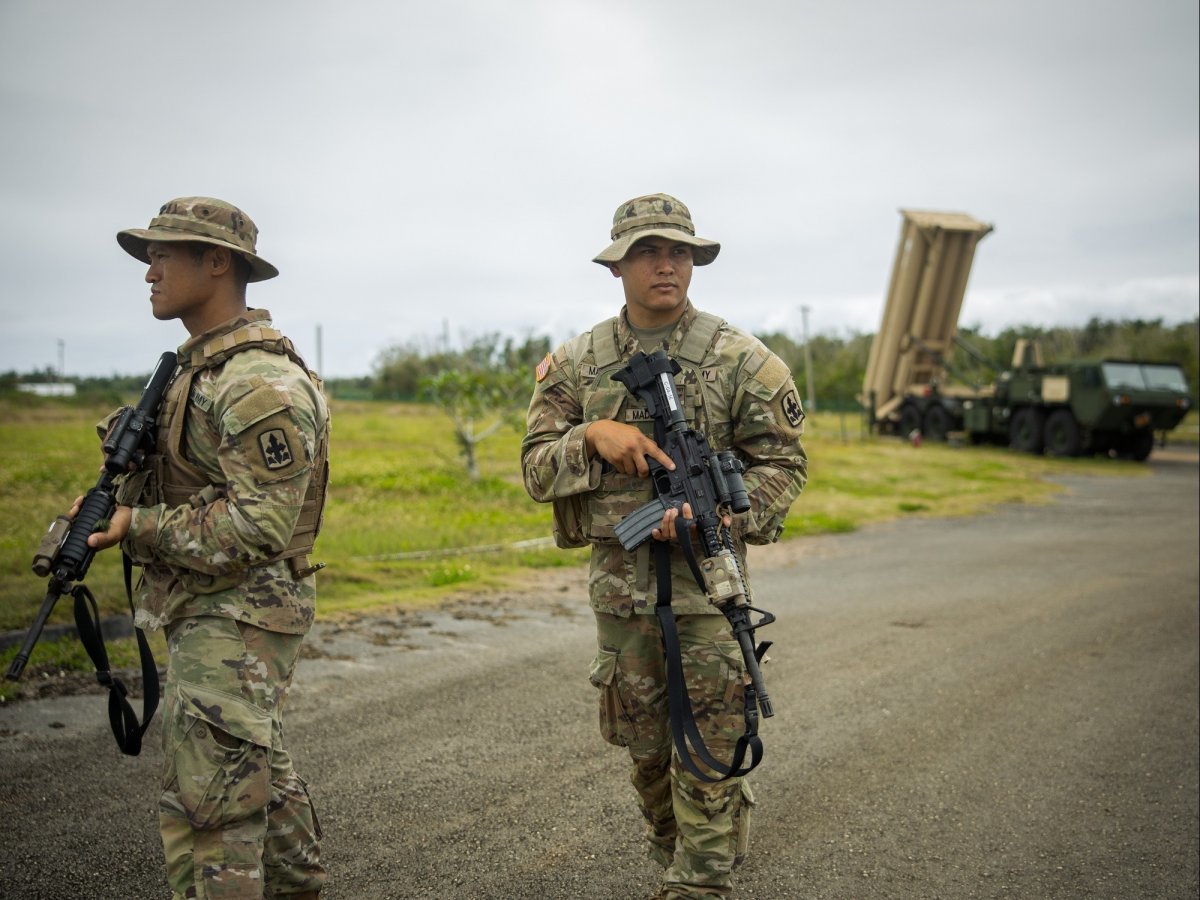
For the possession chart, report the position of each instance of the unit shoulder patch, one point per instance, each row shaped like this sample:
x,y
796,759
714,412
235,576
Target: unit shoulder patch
x,y
274,449
276,453
790,406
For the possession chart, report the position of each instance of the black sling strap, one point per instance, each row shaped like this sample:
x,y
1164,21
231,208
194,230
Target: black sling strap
x,y
683,721
679,704
125,726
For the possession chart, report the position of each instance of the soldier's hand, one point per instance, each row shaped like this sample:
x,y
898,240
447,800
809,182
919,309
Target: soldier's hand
x,y
666,530
118,527
624,447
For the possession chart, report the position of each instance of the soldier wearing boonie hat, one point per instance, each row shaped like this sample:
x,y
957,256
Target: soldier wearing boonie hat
x,y
656,215
200,220
585,452
221,518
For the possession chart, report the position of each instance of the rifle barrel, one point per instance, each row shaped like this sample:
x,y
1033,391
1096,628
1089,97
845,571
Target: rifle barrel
x,y
53,592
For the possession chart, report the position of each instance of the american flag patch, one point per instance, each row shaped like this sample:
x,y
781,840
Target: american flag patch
x,y
543,368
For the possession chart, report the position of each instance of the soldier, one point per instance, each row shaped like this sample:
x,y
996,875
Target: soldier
x,y
221,518
585,450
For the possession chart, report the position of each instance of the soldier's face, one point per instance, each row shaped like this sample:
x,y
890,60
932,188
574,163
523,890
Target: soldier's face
x,y
655,273
179,284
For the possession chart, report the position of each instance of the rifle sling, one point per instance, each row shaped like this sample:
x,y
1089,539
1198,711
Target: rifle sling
x,y
683,721
125,726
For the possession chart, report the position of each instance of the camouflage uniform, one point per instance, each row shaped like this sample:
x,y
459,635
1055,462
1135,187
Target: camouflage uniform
x,y
223,514
741,396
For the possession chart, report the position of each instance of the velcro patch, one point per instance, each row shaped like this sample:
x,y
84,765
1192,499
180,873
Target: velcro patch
x,y
772,374
543,368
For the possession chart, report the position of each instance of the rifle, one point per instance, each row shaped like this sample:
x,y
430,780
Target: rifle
x,y
711,484
65,557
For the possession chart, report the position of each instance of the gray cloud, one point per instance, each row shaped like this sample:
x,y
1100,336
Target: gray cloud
x,y
416,168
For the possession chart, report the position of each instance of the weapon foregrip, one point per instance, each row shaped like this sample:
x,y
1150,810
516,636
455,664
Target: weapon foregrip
x,y
75,555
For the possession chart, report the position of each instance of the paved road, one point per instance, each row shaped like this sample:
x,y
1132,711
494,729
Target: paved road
x,y
1000,707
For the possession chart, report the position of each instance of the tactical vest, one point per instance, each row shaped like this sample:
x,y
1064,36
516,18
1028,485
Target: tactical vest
x,y
175,481
602,398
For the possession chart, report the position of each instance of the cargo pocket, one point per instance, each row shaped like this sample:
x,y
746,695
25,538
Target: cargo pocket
x,y
614,726
731,720
222,768
733,671
741,824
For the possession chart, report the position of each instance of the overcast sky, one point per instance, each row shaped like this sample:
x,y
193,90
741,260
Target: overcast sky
x,y
450,168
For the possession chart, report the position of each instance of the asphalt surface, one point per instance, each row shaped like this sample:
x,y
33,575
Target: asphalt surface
x,y
998,707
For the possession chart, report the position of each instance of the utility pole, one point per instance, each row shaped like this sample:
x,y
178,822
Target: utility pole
x,y
62,359
320,360
808,367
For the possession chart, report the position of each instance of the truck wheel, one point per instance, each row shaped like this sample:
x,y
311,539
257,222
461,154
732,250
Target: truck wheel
x,y
1141,444
1062,434
1025,430
937,423
910,420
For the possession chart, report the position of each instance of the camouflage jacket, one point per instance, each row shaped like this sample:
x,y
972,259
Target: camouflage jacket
x,y
734,390
255,430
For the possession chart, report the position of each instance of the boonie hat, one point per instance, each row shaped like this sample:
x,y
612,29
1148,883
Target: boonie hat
x,y
203,219
655,215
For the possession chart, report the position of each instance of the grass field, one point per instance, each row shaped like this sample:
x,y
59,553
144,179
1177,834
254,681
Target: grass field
x,y
402,511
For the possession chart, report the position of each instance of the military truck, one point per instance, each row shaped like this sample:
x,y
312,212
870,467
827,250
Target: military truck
x,y
912,389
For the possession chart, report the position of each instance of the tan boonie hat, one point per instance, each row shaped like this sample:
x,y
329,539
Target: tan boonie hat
x,y
655,215
203,219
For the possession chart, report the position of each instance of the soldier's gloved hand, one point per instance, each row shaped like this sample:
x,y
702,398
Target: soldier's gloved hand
x,y
624,447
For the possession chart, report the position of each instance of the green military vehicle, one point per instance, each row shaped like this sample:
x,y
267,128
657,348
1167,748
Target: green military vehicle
x,y
1112,406
1066,409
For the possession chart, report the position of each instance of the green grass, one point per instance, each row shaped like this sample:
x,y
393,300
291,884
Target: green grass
x,y
398,487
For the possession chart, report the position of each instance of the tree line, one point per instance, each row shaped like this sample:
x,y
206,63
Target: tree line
x,y
501,367
838,362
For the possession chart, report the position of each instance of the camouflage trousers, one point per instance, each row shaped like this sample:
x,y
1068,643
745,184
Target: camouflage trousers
x,y
698,831
236,820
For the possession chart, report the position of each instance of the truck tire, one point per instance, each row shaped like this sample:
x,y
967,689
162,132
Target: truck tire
x,y
1141,444
1025,432
1062,434
937,423
910,420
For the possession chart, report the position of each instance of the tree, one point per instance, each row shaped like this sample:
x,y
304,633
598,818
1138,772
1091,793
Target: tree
x,y
479,403
483,387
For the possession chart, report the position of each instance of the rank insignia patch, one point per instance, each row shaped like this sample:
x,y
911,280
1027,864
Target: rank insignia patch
x,y
275,450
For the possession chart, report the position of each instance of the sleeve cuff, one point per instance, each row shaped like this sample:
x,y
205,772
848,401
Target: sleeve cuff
x,y
143,530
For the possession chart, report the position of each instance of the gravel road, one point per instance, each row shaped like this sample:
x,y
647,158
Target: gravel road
x,y
998,707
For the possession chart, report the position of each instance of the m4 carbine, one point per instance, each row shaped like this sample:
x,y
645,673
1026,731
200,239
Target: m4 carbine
x,y
65,557
711,484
